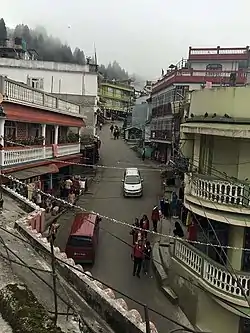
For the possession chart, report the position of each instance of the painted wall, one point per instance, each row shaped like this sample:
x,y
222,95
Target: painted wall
x,y
57,77
226,66
233,101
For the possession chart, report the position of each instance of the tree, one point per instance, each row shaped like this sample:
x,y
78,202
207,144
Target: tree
x,y
3,31
79,56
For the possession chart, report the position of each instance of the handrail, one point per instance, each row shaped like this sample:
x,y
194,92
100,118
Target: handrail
x,y
18,91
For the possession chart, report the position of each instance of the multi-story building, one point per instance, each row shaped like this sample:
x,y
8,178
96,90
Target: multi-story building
x,y
205,67
210,273
72,82
118,97
35,136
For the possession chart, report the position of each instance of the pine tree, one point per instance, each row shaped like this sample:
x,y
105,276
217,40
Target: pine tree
x,y
3,32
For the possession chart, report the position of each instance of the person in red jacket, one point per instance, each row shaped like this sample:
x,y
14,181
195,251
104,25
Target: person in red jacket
x,y
138,258
155,217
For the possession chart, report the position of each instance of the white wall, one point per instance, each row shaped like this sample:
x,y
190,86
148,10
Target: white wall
x,y
67,78
226,66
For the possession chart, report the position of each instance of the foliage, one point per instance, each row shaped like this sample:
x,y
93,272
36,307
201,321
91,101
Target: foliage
x,y
50,48
3,30
113,71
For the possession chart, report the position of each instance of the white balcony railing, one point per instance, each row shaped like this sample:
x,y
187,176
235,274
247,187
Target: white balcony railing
x,y
211,273
220,191
34,154
19,92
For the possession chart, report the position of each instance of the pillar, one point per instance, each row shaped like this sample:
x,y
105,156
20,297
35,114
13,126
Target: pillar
x,y
235,239
196,151
50,181
2,122
56,134
44,133
44,139
79,133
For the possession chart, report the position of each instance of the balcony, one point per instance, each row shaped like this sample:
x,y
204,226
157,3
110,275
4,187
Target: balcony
x,y
212,275
218,53
20,93
161,135
220,191
106,94
15,156
190,75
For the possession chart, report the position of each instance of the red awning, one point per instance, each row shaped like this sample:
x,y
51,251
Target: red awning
x,y
34,172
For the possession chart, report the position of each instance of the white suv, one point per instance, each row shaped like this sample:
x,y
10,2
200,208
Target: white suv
x,y
132,183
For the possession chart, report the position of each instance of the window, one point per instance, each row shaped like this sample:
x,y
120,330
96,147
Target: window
x,y
214,67
110,90
35,82
10,129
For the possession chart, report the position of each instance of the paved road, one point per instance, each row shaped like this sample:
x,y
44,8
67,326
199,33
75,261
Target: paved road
x,y
113,263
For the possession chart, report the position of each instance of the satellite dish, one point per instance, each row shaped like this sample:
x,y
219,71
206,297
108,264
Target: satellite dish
x,y
1,98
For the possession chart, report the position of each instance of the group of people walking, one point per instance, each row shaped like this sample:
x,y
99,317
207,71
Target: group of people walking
x,y
115,132
141,245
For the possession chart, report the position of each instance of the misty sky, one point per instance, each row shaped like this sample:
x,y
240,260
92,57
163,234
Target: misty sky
x,y
142,35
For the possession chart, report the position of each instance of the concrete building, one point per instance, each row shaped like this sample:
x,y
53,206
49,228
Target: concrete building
x,y
118,97
34,133
75,83
217,144
204,68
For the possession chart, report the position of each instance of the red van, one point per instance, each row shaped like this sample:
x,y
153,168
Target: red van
x,y
83,238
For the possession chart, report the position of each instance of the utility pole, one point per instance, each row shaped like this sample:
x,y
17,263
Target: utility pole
x,y
52,236
148,330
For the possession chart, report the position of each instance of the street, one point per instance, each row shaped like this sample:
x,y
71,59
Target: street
x,y
113,262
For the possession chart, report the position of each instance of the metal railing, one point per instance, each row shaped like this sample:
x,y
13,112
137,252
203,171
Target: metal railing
x,y
19,92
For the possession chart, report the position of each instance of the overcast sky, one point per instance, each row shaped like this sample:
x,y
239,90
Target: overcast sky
x,y
144,36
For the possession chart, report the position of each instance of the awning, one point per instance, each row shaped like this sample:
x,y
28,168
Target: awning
x,y
219,129
34,172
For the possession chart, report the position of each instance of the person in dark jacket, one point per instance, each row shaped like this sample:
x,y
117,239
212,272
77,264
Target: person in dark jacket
x,y
147,251
134,232
155,217
138,258
144,224
178,232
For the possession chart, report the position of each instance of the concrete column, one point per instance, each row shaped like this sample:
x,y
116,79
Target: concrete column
x,y
56,134
196,151
2,122
79,133
44,133
235,239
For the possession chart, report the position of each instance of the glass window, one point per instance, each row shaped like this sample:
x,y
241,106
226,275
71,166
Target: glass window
x,y
132,180
214,67
80,241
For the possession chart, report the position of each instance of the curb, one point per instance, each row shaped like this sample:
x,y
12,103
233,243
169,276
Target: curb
x,y
161,275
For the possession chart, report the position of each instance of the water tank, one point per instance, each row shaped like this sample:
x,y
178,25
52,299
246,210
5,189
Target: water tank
x,y
24,45
18,41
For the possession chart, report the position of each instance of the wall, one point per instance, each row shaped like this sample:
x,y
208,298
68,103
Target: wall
x,y
67,78
233,101
244,159
225,159
226,66
198,306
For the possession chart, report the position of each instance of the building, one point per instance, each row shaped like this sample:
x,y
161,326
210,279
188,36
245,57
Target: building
x,y
72,82
118,97
217,144
205,67
35,136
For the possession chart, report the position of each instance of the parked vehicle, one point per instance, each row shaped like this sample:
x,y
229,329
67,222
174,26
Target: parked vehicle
x,y
132,183
83,238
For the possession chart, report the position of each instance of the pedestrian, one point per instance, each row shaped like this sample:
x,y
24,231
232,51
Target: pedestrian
x,y
166,210
155,217
100,126
174,204
67,187
178,232
138,258
144,224
147,251
111,128
143,154
134,232
71,197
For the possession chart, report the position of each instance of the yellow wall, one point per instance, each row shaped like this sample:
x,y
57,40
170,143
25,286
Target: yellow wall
x,y
211,317
233,101
236,239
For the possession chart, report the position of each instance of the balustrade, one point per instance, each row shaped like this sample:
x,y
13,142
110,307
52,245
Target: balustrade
x,y
210,272
15,91
219,191
34,154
